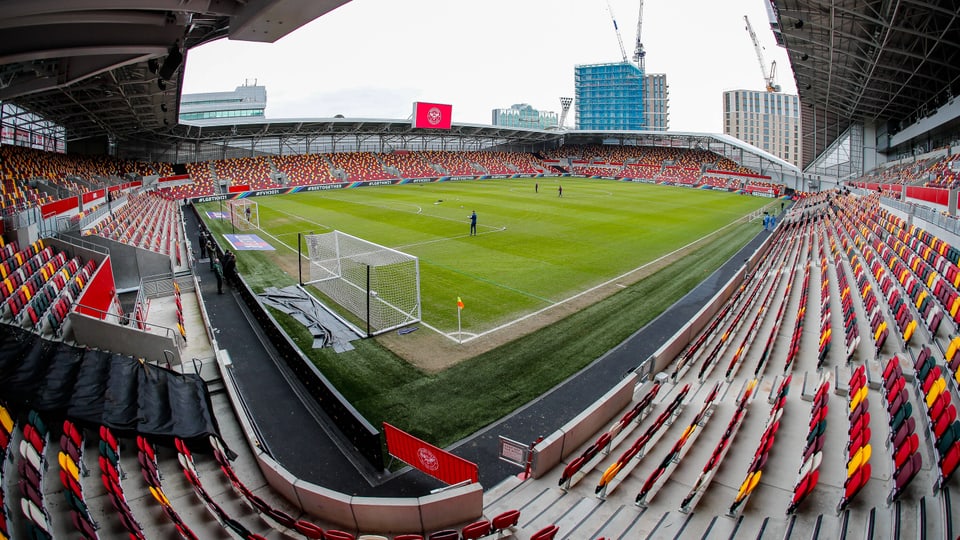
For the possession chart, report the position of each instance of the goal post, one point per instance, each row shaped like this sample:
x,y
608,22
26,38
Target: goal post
x,y
378,285
244,214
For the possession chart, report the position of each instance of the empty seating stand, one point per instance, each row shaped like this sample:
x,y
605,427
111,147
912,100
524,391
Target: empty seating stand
x,y
32,466
767,438
858,444
71,469
639,447
812,454
902,439
603,443
720,450
111,475
669,463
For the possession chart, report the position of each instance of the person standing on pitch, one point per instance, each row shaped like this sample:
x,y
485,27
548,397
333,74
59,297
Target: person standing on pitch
x,y
536,187
559,191
473,223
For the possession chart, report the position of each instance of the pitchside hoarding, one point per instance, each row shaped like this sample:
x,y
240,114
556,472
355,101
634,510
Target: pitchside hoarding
x,y
429,459
432,115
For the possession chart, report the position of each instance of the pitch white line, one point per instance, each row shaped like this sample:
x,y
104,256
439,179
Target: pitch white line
x,y
448,238
452,335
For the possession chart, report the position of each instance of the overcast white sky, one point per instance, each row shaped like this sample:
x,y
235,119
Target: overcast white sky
x,y
373,58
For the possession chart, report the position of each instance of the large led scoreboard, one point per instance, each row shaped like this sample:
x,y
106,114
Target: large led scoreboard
x,y
432,115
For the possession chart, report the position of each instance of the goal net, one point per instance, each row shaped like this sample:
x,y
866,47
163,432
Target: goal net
x,y
244,214
379,285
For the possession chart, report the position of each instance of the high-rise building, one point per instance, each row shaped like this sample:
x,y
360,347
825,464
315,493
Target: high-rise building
x,y
620,96
656,101
249,100
523,115
768,120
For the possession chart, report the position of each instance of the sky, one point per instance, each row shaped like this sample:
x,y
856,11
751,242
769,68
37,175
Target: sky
x,y
374,58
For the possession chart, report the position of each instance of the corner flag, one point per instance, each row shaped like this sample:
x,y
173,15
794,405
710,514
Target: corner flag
x,y
459,303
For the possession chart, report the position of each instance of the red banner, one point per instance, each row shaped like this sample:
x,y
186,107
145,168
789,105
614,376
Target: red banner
x,y
92,196
432,115
738,174
750,188
238,189
426,457
56,208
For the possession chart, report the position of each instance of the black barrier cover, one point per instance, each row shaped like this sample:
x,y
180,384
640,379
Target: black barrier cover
x,y
87,400
61,378
100,388
121,395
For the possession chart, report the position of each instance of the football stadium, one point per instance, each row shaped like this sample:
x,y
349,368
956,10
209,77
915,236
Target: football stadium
x,y
217,325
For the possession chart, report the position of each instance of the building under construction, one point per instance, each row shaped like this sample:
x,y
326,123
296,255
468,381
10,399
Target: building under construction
x,y
621,95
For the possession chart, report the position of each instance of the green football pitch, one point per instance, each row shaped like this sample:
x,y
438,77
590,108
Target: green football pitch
x,y
533,248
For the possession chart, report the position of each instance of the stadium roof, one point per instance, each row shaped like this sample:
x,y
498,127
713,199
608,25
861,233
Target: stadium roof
x,y
878,60
202,131
275,136
111,67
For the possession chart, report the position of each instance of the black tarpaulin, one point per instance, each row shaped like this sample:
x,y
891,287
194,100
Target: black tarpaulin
x,y
61,377
25,377
120,405
154,397
86,400
101,388
14,344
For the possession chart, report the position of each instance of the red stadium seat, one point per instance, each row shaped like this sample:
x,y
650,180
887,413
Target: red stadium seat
x,y
546,533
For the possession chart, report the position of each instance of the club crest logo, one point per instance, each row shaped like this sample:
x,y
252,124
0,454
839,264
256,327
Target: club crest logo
x,y
434,116
427,459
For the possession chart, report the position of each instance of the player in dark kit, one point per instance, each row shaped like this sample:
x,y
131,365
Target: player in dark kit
x,y
473,223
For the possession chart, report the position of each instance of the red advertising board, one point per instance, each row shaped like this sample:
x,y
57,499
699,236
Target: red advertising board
x,y
238,189
426,457
432,115
92,196
56,208
767,190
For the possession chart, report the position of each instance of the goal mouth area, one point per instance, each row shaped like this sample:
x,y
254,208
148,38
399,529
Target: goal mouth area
x,y
374,287
244,214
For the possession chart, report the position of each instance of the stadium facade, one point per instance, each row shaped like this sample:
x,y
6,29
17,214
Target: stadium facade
x,y
523,115
767,120
247,101
620,96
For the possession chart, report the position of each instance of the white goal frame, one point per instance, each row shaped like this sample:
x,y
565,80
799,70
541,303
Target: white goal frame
x,y
239,217
377,284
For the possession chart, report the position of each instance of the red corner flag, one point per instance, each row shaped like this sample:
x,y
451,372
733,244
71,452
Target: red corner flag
x,y
459,303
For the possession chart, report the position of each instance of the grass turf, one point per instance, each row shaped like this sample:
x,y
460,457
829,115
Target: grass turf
x,y
532,251
446,406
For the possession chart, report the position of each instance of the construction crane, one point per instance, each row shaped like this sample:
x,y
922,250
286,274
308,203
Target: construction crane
x,y
623,50
638,52
768,77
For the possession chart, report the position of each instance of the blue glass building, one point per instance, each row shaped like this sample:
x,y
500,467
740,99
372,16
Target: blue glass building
x,y
620,96
609,96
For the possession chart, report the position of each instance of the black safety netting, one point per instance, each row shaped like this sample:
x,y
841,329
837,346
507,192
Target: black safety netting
x,y
101,388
